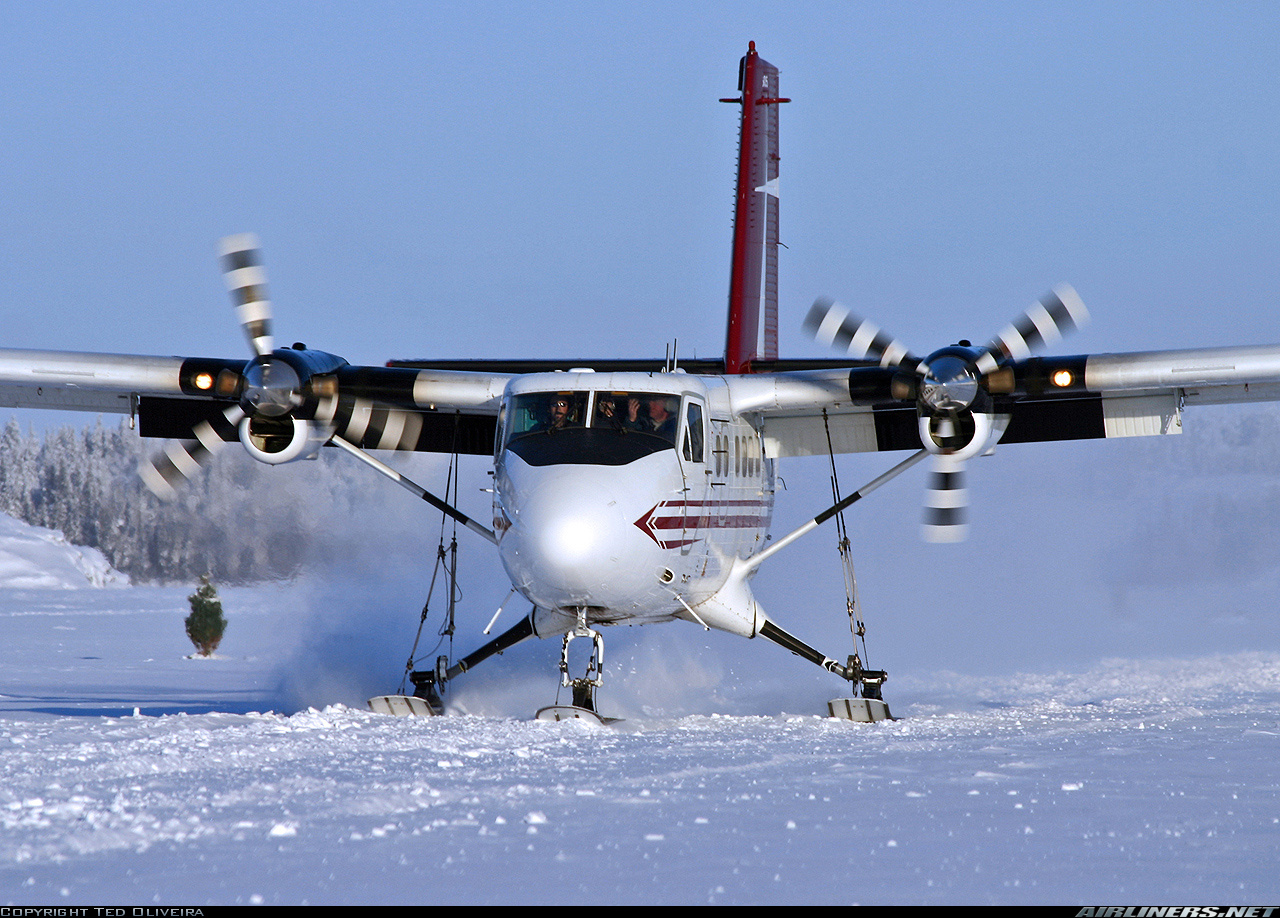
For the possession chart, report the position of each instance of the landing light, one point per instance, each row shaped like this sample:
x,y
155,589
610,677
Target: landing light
x,y
1062,378
204,380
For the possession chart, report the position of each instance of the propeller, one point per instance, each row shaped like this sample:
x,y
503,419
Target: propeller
x,y
951,389
832,324
284,400
945,500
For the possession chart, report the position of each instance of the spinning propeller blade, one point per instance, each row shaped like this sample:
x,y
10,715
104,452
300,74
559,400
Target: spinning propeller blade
x,y
181,460
945,501
247,281
1058,313
834,325
288,404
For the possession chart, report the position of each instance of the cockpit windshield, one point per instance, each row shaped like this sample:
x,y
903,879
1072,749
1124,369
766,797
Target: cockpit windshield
x,y
541,412
653,414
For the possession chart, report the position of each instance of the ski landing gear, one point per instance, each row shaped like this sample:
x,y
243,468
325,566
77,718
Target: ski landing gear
x,y
866,709
401,706
425,700
866,705
583,690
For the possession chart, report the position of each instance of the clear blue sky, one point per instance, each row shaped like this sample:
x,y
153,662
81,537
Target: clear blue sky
x,y
472,179
541,179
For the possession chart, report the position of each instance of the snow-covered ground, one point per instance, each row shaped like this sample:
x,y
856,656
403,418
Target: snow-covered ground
x,y
32,557
133,774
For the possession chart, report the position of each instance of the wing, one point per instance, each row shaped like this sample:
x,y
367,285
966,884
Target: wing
x,y
282,404
374,407
1045,398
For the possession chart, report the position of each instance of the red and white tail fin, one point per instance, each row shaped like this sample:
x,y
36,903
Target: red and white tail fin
x,y
753,283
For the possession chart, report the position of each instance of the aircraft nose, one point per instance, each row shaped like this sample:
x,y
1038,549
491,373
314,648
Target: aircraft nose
x,y
567,540
570,546
563,543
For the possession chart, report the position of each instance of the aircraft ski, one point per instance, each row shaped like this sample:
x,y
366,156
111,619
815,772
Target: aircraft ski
x,y
402,706
630,491
559,712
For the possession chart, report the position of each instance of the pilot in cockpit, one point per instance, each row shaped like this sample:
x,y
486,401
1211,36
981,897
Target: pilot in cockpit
x,y
559,414
635,419
654,414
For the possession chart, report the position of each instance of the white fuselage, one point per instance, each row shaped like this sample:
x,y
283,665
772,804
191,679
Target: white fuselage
x,y
604,514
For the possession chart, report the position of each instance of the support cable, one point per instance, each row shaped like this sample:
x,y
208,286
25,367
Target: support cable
x,y
446,561
853,606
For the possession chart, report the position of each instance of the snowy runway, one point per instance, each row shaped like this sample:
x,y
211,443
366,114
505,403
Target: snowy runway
x,y
1134,782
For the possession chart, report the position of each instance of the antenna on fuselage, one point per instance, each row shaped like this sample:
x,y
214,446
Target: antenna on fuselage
x,y
669,360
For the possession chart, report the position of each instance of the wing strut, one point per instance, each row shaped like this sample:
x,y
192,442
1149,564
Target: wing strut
x,y
414,488
756,560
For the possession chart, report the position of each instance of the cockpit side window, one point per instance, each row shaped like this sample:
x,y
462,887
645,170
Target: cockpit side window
x,y
693,432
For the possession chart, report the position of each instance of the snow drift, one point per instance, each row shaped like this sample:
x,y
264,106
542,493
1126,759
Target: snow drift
x,y
36,558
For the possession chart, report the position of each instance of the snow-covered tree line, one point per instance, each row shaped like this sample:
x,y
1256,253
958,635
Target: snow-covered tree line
x,y
239,521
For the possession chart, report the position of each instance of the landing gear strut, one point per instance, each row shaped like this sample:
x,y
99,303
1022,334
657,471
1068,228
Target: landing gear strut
x,y
429,681
583,689
427,684
868,708
867,681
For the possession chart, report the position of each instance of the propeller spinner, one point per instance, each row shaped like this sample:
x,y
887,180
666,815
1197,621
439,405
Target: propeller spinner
x,y
951,388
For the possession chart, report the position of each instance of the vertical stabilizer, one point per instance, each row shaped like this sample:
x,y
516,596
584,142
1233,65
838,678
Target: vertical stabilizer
x,y
753,282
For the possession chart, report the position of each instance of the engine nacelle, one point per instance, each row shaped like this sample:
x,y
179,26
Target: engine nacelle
x,y
962,436
276,441
274,388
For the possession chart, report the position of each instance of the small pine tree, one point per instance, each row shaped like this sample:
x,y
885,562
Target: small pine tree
x,y
205,624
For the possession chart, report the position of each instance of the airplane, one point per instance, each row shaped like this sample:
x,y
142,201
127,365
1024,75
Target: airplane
x,y
637,491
